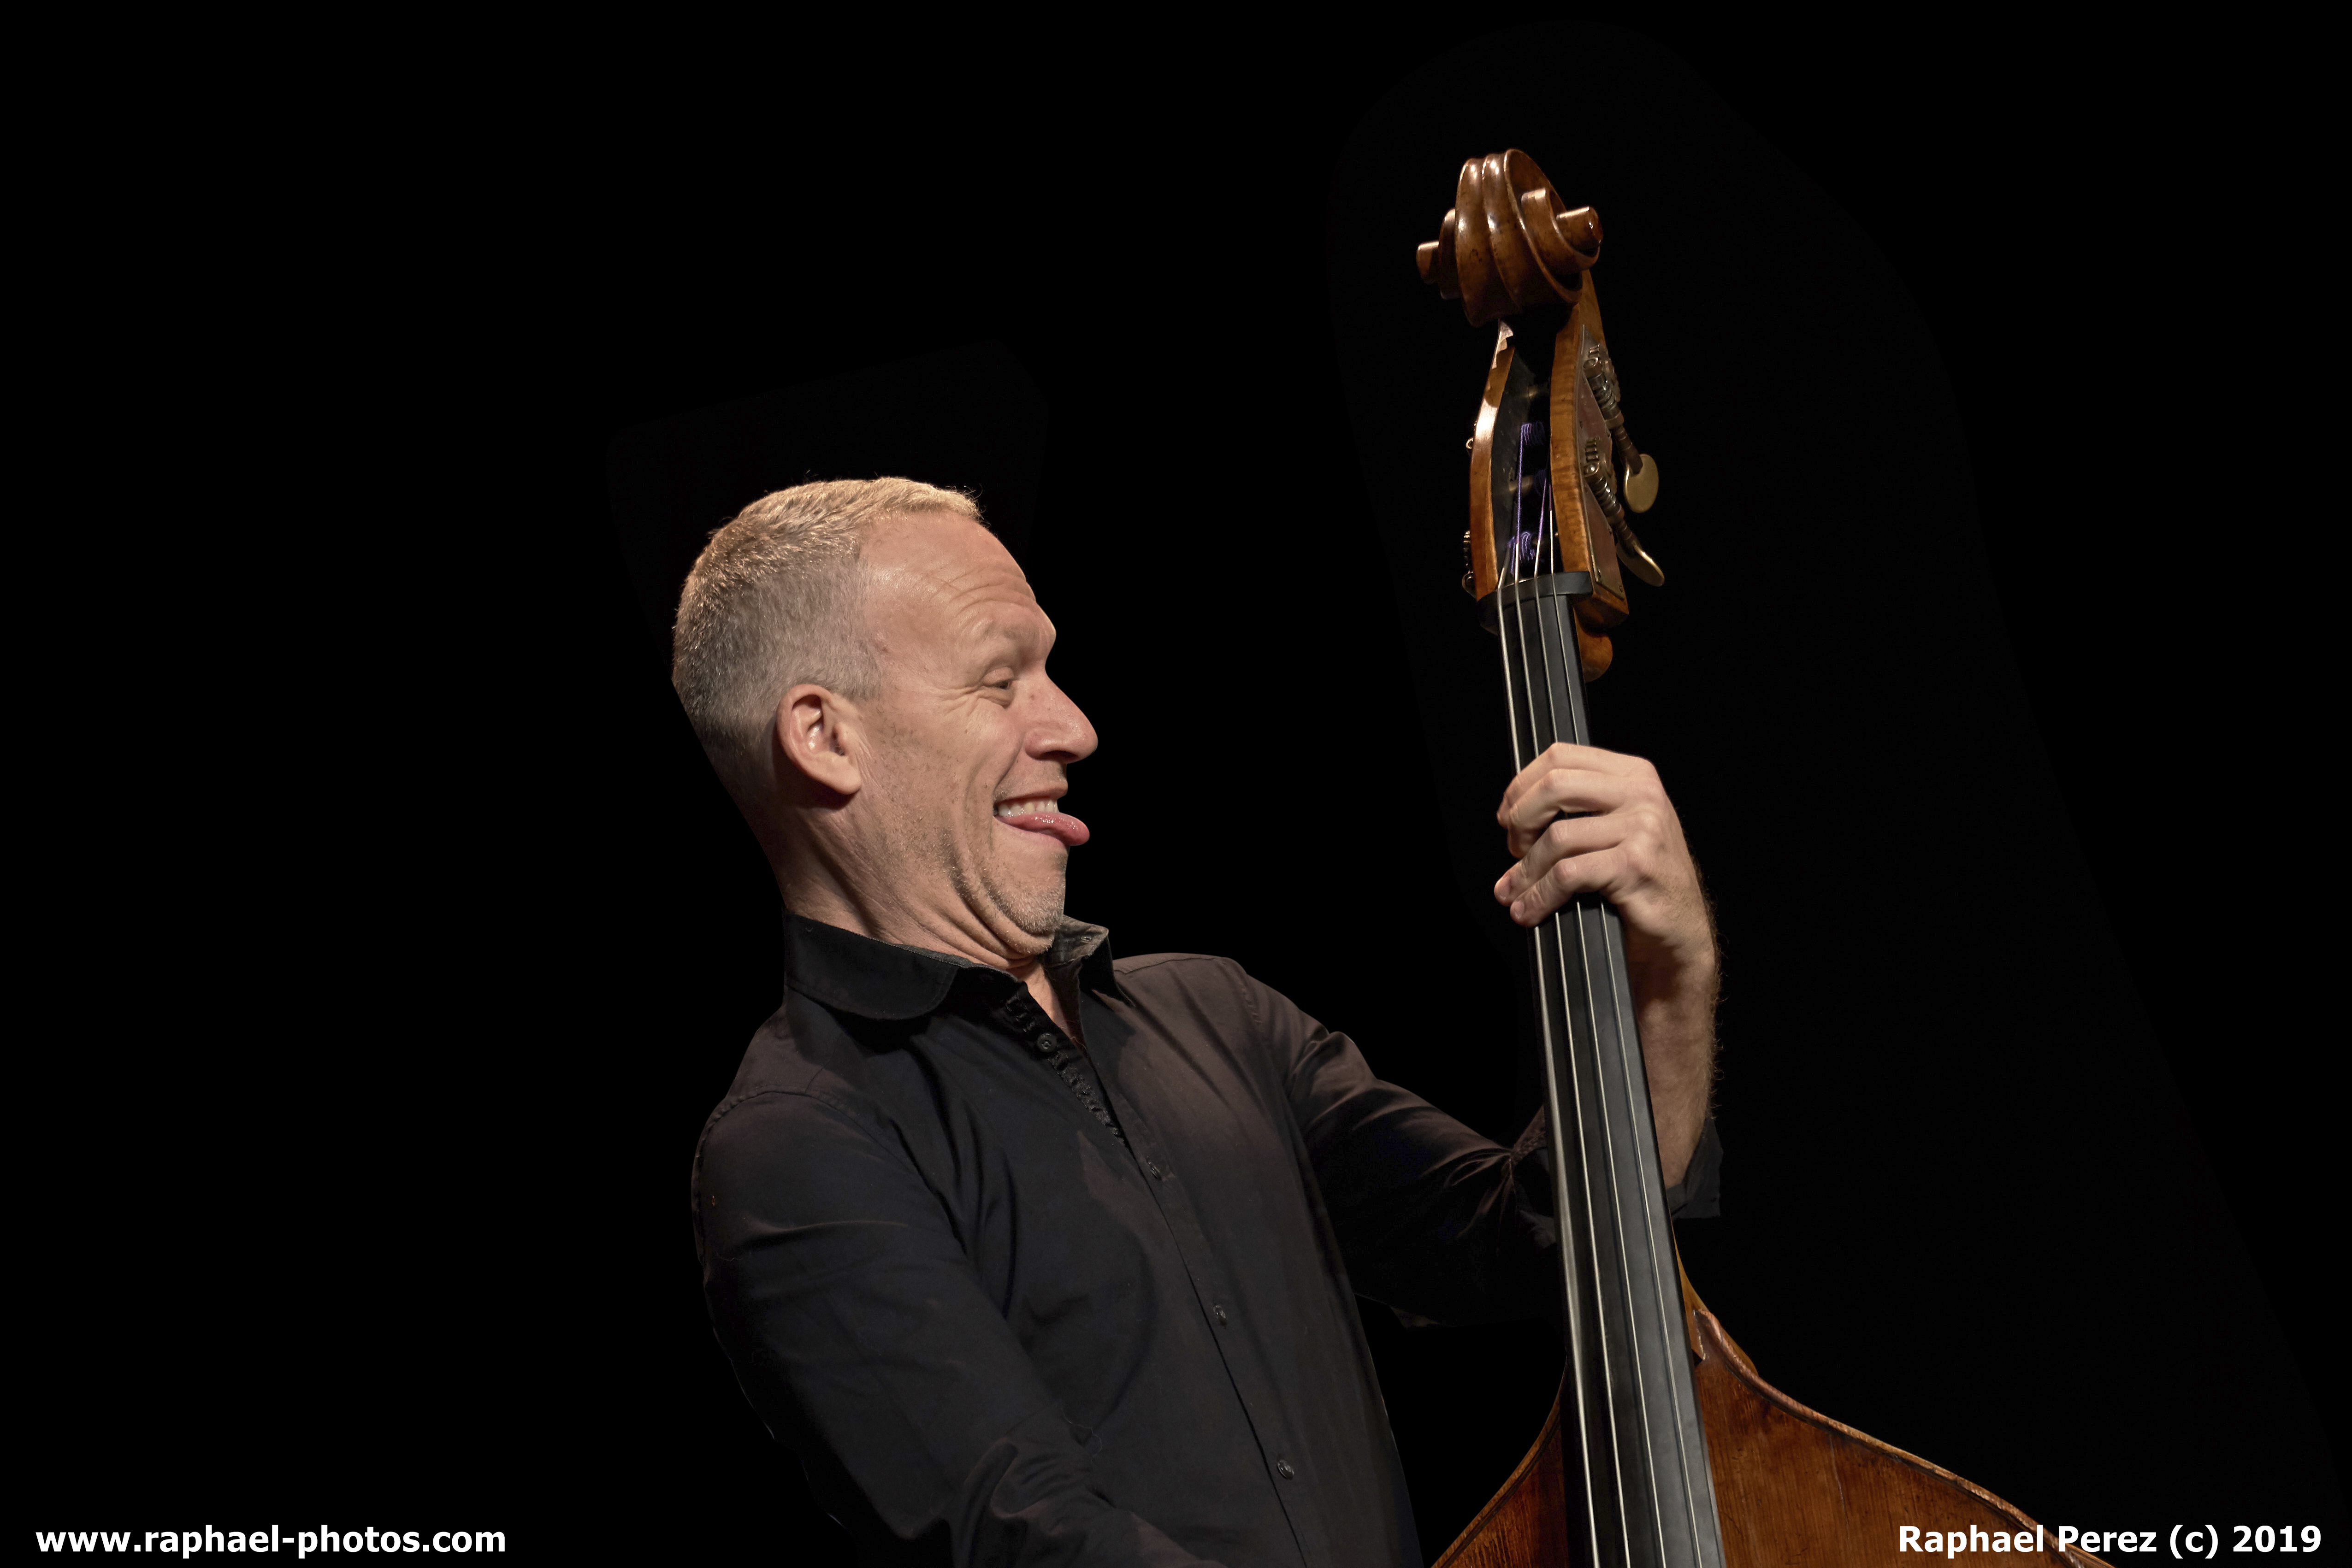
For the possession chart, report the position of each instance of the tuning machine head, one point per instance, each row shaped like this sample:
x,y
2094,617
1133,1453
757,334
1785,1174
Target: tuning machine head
x,y
1640,489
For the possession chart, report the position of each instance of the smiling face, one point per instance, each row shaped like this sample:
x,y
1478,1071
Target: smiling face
x,y
965,745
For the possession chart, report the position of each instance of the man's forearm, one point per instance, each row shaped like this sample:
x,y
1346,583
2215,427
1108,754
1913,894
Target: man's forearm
x,y
1678,1053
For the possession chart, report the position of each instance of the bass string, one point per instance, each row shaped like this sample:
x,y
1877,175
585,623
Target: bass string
x,y
1652,1288
1604,1179
1521,697
1650,1298
1521,694
1680,1432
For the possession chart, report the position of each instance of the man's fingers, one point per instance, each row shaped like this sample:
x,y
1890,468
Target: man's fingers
x,y
1582,821
1563,757
1625,856
1564,837
1602,871
1573,790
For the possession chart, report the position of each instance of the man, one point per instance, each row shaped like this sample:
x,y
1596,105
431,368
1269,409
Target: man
x,y
1035,1255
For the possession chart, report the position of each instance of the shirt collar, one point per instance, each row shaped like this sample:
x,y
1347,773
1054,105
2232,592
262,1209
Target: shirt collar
x,y
884,980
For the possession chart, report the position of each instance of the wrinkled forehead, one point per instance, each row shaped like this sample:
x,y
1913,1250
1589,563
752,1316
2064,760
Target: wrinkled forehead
x,y
940,580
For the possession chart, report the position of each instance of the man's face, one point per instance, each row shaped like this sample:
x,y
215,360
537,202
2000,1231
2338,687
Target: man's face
x,y
967,735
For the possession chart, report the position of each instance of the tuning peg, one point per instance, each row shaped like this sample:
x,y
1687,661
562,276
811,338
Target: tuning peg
x,y
1597,479
1637,559
1640,489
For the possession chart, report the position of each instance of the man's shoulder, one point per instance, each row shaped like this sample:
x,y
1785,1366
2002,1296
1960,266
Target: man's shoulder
x,y
1200,983
800,1063
1156,974
1126,967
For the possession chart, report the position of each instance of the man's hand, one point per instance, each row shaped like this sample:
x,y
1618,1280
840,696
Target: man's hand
x,y
1626,843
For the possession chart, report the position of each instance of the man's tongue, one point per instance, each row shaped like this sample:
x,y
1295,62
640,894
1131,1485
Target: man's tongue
x,y
1055,824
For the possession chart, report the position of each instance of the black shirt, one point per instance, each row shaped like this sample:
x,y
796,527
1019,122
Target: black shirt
x,y
1013,1301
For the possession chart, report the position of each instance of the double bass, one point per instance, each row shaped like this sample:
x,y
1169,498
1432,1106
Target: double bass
x,y
1666,1448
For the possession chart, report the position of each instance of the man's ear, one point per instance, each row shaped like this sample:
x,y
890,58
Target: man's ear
x,y
813,728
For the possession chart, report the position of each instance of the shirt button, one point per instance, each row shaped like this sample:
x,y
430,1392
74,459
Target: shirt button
x,y
1282,1467
1218,1314
1152,1170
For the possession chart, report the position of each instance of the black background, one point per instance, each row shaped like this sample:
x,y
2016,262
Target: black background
x,y
1985,682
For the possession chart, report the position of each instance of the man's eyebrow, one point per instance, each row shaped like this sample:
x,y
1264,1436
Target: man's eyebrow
x,y
991,634
1020,633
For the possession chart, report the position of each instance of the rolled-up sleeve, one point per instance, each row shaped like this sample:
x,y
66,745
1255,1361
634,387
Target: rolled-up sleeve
x,y
863,1336
1699,1195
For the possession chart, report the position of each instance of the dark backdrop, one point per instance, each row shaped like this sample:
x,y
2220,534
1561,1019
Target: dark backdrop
x,y
1977,683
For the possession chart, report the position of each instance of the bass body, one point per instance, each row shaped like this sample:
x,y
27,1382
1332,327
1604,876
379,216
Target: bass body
x,y
1794,1486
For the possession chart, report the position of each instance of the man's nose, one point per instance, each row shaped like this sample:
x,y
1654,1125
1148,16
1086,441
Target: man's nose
x,y
1061,733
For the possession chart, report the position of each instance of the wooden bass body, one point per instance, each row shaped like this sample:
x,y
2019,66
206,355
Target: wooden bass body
x,y
1794,1488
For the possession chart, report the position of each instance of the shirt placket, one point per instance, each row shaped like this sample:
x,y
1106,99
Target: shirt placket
x,y
1287,1463
1022,1014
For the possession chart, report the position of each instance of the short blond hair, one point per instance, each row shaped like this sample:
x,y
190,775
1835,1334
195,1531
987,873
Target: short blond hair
x,y
774,600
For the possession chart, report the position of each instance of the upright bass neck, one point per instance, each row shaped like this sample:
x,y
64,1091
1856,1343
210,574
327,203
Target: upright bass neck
x,y
1648,1495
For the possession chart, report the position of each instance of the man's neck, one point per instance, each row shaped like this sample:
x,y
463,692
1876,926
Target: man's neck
x,y
1065,1013
967,938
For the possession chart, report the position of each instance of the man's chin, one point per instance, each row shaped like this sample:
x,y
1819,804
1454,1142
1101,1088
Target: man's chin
x,y
1035,911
